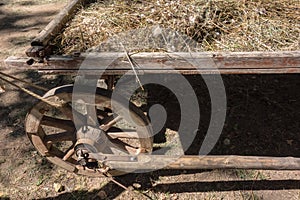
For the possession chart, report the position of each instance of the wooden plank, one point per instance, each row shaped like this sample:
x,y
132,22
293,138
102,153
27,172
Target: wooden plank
x,y
153,162
184,72
184,63
56,25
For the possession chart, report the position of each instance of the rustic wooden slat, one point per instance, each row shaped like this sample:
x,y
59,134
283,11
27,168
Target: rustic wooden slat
x,y
208,162
185,63
184,72
57,24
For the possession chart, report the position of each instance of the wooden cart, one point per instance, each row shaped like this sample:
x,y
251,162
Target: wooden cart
x,y
54,120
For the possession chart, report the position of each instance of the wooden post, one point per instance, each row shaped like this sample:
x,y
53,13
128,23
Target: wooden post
x,y
56,25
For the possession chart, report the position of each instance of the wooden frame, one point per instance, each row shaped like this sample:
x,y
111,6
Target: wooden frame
x,y
184,63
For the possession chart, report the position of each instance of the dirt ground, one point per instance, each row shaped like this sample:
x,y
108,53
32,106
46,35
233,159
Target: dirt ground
x,y
262,119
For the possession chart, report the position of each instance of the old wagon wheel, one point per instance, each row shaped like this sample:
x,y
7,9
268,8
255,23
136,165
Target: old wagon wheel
x,y
53,133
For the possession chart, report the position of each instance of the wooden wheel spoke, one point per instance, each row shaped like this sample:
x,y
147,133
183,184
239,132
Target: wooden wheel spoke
x,y
124,146
77,118
59,137
108,124
91,113
67,125
123,134
57,152
69,153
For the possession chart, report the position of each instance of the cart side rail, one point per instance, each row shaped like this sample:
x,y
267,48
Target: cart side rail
x,y
179,62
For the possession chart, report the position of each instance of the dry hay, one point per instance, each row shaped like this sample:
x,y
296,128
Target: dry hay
x,y
232,25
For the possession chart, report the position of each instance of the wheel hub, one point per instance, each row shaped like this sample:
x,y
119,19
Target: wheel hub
x,y
89,140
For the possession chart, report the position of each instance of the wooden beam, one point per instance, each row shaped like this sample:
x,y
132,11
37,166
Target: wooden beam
x,y
57,24
168,63
154,162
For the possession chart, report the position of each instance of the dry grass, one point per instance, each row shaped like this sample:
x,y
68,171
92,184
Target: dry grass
x,y
227,25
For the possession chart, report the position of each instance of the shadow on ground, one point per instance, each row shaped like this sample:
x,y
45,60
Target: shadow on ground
x,y
114,191
261,119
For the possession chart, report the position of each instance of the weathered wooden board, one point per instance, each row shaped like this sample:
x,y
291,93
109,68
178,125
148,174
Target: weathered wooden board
x,y
209,162
184,63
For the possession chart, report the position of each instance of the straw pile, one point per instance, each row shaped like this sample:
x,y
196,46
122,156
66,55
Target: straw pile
x,y
228,25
